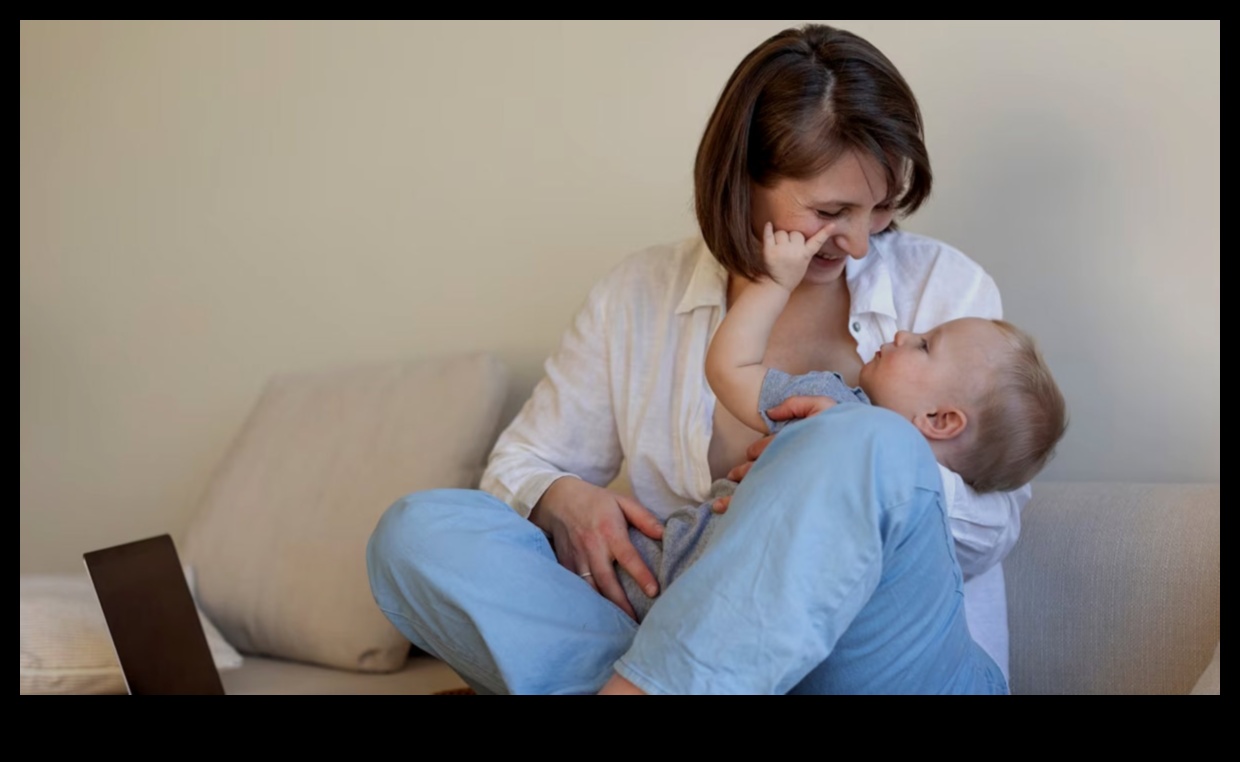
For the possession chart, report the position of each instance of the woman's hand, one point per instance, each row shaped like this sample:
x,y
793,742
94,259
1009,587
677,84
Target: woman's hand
x,y
793,407
589,528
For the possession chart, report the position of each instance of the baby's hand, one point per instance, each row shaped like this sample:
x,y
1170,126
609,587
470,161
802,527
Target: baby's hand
x,y
787,255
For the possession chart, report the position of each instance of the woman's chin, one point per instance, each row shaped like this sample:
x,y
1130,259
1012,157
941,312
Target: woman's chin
x,y
822,271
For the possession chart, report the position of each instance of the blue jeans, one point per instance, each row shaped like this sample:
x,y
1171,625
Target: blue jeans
x,y
833,571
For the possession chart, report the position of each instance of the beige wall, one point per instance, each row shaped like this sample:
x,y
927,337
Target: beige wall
x,y
203,204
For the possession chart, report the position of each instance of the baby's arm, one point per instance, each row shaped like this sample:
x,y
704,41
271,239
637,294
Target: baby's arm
x,y
734,366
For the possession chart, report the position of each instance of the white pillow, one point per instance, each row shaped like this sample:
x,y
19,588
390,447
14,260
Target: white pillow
x,y
65,647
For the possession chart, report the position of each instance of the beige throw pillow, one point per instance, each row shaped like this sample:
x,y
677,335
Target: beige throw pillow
x,y
279,540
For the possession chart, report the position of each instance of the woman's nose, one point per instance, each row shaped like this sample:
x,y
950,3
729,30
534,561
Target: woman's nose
x,y
853,241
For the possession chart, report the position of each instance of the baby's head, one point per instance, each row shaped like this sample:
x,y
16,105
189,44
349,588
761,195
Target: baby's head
x,y
980,392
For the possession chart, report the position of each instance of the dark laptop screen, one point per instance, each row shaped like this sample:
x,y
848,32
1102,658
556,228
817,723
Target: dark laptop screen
x,y
152,619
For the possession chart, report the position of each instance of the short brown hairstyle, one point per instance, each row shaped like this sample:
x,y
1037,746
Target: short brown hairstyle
x,y
1020,418
793,106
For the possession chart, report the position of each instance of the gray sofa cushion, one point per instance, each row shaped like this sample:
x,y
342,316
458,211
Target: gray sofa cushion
x,y
1114,588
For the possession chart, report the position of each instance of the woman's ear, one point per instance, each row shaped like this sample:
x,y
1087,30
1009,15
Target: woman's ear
x,y
942,423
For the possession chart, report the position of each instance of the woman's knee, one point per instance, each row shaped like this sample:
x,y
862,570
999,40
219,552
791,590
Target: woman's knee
x,y
420,528
852,448
859,428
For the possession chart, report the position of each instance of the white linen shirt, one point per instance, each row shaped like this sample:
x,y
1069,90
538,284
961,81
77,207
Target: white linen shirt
x,y
627,385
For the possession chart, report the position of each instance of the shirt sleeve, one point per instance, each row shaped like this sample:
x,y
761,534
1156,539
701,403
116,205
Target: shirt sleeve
x,y
567,426
985,526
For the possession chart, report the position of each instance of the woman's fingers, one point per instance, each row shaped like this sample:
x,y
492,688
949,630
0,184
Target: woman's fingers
x,y
603,576
752,452
755,450
588,576
793,407
590,534
593,563
738,473
641,517
625,554
631,561
609,587
799,407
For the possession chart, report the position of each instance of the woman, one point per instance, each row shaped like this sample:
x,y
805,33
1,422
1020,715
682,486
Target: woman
x,y
815,128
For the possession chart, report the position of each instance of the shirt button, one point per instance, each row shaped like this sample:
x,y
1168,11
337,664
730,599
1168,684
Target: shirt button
x,y
856,326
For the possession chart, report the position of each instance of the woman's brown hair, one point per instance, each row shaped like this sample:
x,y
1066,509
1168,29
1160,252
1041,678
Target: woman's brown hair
x,y
793,106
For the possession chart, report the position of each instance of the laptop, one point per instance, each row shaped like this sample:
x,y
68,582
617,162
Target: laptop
x,y
152,619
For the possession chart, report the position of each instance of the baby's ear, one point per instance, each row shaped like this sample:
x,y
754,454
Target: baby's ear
x,y
942,423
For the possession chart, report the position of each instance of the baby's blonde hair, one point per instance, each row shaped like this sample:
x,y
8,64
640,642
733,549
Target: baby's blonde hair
x,y
1019,419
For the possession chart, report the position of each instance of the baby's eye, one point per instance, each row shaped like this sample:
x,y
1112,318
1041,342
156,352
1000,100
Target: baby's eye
x,y
829,215
925,345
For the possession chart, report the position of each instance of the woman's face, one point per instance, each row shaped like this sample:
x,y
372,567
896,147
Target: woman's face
x,y
850,196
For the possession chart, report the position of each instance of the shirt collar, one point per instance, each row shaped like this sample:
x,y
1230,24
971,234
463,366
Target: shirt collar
x,y
708,285
869,281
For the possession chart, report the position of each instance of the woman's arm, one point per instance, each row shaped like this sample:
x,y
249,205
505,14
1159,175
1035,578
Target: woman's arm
x,y
567,426
549,462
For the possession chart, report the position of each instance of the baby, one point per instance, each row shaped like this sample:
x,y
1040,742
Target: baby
x,y
977,389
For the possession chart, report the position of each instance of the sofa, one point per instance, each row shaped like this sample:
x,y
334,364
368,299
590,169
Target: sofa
x,y
1112,588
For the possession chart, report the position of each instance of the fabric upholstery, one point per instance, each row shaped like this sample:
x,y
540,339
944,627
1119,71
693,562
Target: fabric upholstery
x,y
279,539
1114,588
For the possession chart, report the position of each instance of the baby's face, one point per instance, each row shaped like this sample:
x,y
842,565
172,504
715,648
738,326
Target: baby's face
x,y
949,365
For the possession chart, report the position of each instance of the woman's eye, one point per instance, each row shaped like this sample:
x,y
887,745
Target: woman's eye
x,y
829,215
